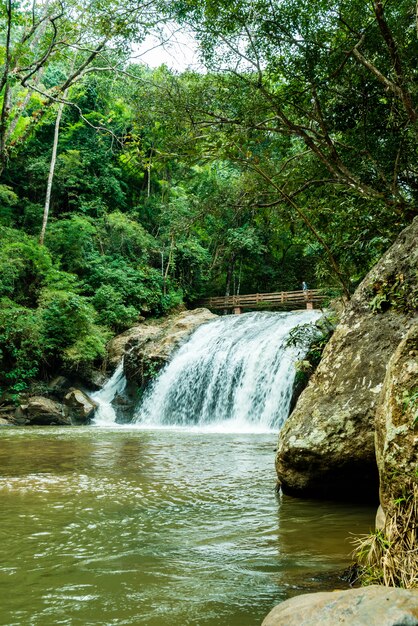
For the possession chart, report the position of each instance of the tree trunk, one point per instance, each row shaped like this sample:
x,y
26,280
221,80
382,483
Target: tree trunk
x,y
52,170
167,269
229,274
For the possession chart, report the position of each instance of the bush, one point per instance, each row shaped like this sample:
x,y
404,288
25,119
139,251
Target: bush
x,y
111,309
21,351
69,329
84,352
24,266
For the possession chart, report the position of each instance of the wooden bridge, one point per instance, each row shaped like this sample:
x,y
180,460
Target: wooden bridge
x,y
310,299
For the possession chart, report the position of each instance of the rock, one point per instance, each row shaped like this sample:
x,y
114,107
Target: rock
x,y
397,422
117,347
7,415
59,386
393,557
367,606
79,407
326,447
149,352
92,379
41,411
124,406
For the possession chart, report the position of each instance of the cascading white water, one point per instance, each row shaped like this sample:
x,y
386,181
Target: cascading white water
x,y
105,414
234,373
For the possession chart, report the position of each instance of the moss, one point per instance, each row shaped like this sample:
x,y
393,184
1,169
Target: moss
x,y
398,292
149,369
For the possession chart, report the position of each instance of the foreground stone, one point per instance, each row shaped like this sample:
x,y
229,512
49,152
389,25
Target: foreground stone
x,y
367,606
40,411
326,448
79,406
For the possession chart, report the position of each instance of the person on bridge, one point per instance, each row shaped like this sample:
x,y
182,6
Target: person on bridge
x,y
304,286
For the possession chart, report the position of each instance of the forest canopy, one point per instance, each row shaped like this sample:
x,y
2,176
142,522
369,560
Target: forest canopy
x,y
126,191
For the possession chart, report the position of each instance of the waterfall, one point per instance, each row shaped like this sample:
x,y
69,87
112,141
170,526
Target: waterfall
x,y
234,373
105,414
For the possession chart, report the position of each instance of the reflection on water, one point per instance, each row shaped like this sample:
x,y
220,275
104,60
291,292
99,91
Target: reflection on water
x,y
156,528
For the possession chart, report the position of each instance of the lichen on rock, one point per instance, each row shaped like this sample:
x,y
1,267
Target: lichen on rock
x,y
369,606
390,554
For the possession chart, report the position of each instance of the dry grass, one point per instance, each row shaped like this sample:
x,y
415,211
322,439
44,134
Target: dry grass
x,y
391,557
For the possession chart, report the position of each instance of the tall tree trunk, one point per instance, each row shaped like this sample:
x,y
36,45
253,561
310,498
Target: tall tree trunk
x,y
229,274
239,278
167,269
4,115
5,87
52,169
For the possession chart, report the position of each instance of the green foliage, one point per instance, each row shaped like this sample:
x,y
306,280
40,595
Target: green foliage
x,y
149,370
410,402
44,322
399,292
65,317
20,347
24,265
8,199
71,241
112,312
86,350
297,165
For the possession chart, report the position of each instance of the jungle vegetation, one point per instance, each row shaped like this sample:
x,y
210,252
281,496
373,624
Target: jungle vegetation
x,y
127,191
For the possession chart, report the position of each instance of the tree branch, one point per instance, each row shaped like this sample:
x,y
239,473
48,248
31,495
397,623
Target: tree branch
x,y
396,60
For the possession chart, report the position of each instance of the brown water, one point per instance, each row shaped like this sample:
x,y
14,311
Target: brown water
x,y
123,526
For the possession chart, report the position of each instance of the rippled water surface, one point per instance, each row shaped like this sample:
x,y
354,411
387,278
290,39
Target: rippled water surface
x,y
124,526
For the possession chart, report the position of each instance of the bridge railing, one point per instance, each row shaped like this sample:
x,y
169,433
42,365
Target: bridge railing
x,y
276,298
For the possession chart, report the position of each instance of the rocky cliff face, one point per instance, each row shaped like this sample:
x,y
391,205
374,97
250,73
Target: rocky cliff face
x,y
326,448
397,423
391,554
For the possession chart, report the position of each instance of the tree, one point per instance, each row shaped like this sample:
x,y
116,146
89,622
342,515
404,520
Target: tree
x,y
319,99
77,38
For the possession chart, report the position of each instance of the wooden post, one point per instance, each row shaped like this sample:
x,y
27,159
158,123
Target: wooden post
x,y
310,305
237,310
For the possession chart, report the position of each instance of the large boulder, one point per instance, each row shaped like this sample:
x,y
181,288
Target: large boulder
x,y
79,407
118,346
40,411
326,447
148,353
367,606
